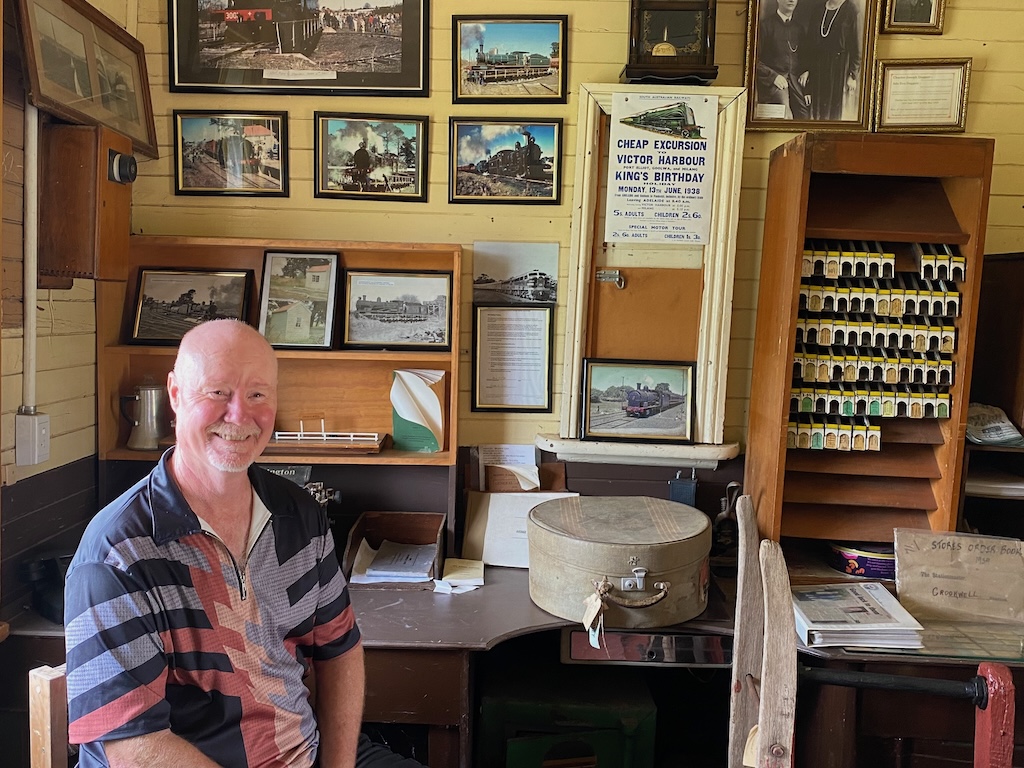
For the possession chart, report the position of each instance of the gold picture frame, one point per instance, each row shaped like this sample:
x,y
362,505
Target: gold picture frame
x,y
84,68
921,95
916,17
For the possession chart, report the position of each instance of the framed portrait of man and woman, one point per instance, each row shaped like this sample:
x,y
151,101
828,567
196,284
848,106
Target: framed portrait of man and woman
x,y
810,64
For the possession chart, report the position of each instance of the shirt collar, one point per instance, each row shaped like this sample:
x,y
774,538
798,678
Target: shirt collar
x,y
173,518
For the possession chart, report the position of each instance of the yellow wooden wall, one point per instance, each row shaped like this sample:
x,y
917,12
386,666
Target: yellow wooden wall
x,y
990,31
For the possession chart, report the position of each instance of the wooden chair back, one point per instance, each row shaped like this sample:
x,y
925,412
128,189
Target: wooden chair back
x,y
48,717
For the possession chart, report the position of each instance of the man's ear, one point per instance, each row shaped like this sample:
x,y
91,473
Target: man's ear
x,y
173,390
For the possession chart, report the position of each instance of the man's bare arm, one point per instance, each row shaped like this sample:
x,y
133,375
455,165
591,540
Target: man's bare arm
x,y
340,688
155,750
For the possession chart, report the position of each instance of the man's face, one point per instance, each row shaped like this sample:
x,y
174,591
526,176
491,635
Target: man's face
x,y
224,397
786,7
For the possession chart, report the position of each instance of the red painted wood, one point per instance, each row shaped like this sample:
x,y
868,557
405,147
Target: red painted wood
x,y
993,726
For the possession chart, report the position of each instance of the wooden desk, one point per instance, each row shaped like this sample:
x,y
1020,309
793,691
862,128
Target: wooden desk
x,y
844,727
420,647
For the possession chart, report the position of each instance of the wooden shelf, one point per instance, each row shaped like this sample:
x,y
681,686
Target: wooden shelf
x,y
385,457
403,357
844,206
896,190
348,388
892,461
848,523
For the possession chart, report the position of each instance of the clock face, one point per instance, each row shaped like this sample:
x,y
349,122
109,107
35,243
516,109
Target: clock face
x,y
665,33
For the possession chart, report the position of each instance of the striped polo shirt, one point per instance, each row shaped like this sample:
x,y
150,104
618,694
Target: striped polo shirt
x,y
164,629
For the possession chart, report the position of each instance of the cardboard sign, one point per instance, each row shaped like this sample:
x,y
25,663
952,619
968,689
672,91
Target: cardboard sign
x,y
960,576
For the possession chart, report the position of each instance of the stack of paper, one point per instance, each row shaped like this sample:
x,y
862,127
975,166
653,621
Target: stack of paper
x,y
403,562
860,614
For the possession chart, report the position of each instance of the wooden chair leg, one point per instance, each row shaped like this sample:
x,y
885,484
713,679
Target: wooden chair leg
x,y
993,726
48,717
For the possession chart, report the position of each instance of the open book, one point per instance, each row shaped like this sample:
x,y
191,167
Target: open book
x,y
863,614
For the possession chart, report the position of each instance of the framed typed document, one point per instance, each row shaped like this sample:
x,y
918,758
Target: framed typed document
x,y
922,95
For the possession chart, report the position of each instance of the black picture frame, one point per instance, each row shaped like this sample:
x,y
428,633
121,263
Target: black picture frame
x,y
374,54
395,149
809,54
299,299
84,68
509,59
638,401
380,315
230,153
512,358
161,318
510,161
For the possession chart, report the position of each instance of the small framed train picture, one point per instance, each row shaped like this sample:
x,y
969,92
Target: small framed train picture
x,y
370,157
231,153
505,161
509,59
637,401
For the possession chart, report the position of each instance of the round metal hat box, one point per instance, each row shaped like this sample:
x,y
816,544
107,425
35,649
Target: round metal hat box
x,y
647,557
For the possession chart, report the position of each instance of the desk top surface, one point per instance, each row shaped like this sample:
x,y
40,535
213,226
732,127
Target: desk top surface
x,y
479,620
473,621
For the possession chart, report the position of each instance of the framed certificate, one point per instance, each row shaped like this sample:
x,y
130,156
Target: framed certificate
x,y
922,95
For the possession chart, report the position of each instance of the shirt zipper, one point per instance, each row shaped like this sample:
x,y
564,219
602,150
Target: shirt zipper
x,y
239,572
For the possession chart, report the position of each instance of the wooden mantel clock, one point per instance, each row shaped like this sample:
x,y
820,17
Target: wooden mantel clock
x,y
671,41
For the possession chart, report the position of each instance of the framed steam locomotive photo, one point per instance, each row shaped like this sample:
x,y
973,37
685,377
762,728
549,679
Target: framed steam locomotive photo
x,y
231,153
505,161
170,302
370,157
294,47
510,59
639,401
386,309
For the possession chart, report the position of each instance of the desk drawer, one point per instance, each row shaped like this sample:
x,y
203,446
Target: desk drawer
x,y
430,687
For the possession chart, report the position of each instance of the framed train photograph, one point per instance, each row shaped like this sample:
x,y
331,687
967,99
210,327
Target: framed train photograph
x,y
505,161
638,401
370,157
170,302
509,59
294,47
389,309
231,153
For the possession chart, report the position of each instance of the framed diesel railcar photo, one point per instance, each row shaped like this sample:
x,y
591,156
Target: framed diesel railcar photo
x,y
638,401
